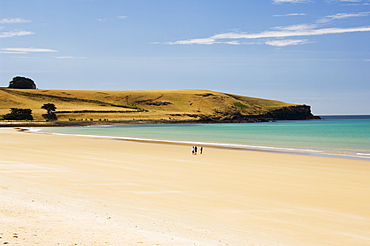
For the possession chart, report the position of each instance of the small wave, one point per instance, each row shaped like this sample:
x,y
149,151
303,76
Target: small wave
x,y
364,155
32,129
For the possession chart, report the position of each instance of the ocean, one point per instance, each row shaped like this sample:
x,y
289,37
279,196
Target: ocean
x,y
334,136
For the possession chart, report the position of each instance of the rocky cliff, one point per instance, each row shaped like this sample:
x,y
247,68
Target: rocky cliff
x,y
296,112
299,112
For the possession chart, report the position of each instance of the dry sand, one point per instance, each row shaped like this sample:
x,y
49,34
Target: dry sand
x,y
66,190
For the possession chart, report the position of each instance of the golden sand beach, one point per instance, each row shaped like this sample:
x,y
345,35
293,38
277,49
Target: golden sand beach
x,y
70,190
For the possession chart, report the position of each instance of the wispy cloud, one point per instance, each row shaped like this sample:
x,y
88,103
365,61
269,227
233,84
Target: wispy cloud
x,y
299,27
290,1
14,34
70,57
286,42
346,1
283,33
280,32
121,17
13,21
339,16
348,15
292,14
351,2
25,50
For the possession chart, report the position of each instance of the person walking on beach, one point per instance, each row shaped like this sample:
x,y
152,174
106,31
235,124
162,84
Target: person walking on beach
x,y
201,150
193,150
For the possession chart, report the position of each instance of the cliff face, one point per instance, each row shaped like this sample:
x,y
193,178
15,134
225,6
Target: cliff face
x,y
296,112
299,112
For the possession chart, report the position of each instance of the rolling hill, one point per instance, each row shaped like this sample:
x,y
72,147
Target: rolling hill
x,y
165,105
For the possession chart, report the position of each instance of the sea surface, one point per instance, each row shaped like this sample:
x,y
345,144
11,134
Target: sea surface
x,y
334,136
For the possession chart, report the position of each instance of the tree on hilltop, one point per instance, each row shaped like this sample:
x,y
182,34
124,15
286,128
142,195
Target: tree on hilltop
x,y
22,83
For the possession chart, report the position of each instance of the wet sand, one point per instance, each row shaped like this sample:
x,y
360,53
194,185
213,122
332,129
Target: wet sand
x,y
67,190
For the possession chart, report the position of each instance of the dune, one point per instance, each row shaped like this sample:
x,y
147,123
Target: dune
x,y
70,190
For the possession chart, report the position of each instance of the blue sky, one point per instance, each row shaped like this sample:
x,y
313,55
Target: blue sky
x,y
300,51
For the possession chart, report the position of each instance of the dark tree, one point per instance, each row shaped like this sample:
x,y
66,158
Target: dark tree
x,y
50,107
22,83
19,114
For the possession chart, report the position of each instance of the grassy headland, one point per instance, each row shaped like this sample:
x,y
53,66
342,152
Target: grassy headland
x,y
157,105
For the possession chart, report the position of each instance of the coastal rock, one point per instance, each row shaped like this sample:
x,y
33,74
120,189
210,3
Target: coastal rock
x,y
300,112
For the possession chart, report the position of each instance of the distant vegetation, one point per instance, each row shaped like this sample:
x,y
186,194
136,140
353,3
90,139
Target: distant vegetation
x,y
50,108
19,114
22,83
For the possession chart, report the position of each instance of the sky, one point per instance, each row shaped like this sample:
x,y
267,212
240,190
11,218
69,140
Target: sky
x,y
298,51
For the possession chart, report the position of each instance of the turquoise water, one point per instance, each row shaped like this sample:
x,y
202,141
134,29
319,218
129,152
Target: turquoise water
x,y
342,136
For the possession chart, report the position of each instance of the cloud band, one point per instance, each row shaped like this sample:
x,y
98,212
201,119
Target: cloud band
x,y
271,34
25,50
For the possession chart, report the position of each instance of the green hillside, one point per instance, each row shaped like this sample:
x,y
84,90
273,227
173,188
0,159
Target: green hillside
x,y
135,105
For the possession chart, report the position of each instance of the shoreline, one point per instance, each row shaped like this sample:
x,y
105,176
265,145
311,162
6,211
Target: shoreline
x,y
59,189
87,123
125,122
149,121
241,147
